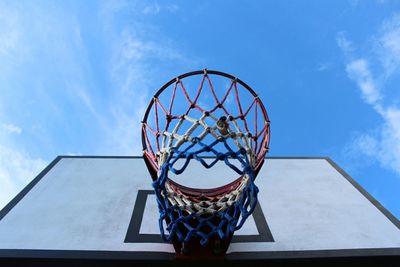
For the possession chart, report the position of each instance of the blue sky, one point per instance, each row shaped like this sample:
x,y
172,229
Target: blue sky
x,y
75,77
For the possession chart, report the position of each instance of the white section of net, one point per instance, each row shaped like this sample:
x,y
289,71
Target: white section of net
x,y
227,128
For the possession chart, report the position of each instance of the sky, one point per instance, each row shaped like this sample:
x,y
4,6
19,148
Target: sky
x,y
76,76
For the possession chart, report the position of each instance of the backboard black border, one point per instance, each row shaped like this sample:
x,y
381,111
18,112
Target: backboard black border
x,y
360,256
133,234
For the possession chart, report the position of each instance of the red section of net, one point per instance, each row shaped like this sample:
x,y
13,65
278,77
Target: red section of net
x,y
260,136
198,195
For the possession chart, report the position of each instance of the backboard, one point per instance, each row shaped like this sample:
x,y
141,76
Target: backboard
x,y
103,208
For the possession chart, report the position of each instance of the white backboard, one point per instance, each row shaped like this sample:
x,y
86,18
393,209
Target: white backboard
x,y
85,206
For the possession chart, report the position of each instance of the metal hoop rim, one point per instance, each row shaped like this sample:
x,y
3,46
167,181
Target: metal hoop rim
x,y
193,73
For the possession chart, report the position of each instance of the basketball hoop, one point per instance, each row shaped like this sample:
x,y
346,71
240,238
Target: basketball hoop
x,y
226,124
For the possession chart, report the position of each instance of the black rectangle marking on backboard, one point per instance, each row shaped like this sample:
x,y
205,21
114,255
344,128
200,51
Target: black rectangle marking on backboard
x,y
133,234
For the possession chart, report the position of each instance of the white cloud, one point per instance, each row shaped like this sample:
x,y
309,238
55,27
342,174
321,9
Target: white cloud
x,y
172,8
31,37
367,144
133,48
323,66
381,144
135,55
344,43
17,167
152,9
140,55
16,170
388,46
10,128
10,33
389,149
155,8
125,137
358,71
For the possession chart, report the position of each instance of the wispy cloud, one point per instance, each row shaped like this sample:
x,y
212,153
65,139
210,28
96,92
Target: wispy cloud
x,y
155,8
389,140
388,45
359,72
323,66
140,55
17,167
63,90
10,33
381,143
10,128
344,44
152,9
34,95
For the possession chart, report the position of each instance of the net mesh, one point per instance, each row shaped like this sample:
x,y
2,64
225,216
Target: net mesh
x,y
220,131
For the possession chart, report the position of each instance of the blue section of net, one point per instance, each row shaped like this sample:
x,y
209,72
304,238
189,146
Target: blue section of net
x,y
183,225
